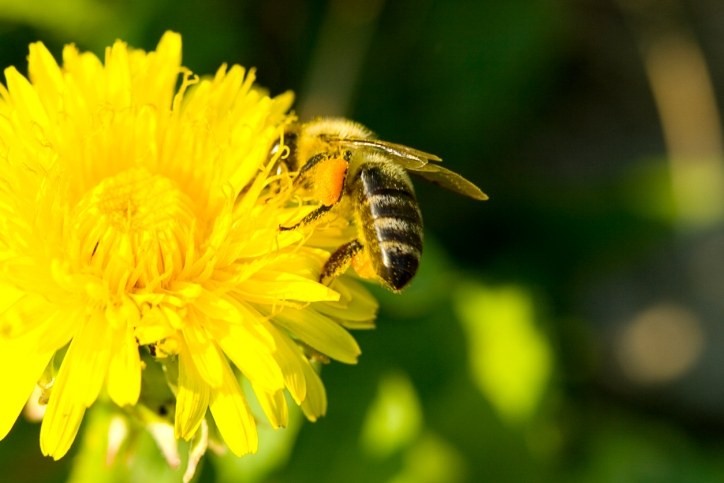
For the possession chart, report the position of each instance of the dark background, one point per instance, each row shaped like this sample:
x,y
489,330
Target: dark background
x,y
568,329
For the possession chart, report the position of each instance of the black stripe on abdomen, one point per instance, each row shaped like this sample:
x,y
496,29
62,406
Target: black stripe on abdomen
x,y
392,222
399,230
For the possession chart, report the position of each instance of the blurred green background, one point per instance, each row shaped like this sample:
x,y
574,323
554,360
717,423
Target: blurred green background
x,y
568,330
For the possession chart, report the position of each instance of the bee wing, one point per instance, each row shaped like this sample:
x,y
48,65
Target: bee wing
x,y
422,163
449,180
405,156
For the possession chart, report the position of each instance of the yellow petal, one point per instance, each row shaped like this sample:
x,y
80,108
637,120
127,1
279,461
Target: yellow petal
x,y
32,314
46,75
79,381
25,100
83,71
301,379
192,397
18,382
274,406
60,424
58,329
252,355
320,332
155,80
124,373
153,327
232,415
285,286
315,404
117,75
206,356
220,308
356,307
20,312
85,365
291,361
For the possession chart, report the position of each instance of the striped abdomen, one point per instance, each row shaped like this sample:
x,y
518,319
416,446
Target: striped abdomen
x,y
390,219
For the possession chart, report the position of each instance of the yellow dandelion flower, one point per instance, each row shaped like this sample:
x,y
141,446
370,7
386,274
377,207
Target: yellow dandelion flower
x,y
140,210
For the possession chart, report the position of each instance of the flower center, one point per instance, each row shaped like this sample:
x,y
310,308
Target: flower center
x,y
136,228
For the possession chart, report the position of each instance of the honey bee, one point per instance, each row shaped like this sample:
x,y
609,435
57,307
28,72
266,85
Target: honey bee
x,y
342,166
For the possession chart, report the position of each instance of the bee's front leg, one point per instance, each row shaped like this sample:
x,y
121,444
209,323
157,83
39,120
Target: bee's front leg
x,y
310,218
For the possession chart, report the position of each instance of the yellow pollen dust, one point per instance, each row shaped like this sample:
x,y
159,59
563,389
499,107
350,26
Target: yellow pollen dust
x,y
136,228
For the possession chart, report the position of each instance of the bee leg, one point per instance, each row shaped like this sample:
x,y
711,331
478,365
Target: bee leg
x,y
311,217
322,177
339,261
303,174
322,169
